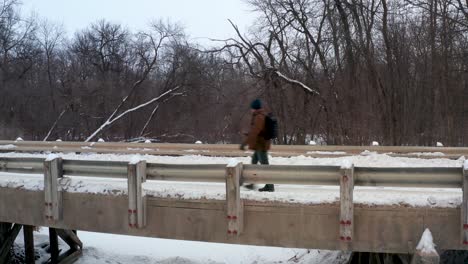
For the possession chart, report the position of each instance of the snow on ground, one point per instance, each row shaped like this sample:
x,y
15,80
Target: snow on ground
x,y
326,152
9,146
426,154
118,249
426,244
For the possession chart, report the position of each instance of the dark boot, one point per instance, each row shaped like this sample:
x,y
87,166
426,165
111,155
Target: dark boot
x,y
249,186
267,188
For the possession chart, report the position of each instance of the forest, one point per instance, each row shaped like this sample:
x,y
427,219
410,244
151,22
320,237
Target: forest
x,y
335,71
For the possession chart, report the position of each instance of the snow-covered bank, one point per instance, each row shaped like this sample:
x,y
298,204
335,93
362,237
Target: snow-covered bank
x,y
117,249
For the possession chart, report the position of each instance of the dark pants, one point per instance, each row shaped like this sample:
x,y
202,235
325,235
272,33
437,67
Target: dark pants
x,y
262,157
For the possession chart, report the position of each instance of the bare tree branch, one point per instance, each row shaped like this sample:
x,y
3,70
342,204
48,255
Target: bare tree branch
x,y
296,82
54,125
153,113
111,120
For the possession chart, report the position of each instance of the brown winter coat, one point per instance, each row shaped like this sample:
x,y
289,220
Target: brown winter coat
x,y
255,139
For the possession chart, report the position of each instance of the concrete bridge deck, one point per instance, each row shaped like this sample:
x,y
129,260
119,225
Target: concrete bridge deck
x,y
393,229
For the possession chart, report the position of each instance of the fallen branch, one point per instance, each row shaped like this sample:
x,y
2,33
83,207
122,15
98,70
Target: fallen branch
x,y
111,120
155,110
149,120
296,82
54,125
176,135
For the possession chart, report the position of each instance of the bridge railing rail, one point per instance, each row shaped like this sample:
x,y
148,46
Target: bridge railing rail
x,y
432,177
230,150
233,175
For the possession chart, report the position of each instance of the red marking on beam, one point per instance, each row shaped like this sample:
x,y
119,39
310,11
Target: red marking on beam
x,y
348,238
465,242
235,232
465,226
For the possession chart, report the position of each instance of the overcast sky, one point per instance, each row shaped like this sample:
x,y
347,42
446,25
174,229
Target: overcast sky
x,y
201,18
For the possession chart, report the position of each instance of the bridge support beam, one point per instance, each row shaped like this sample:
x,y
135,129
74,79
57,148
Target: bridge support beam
x,y
53,246
52,196
464,207
382,258
346,206
70,237
8,234
136,198
234,205
29,254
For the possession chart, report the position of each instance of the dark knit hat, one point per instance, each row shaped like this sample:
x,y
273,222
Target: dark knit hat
x,y
256,104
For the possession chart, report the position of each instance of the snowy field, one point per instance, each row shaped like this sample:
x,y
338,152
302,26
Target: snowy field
x,y
116,249
105,248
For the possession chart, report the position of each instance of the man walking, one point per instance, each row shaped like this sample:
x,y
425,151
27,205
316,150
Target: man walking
x,y
256,140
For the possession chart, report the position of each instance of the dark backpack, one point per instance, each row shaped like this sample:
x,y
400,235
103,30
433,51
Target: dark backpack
x,y
271,127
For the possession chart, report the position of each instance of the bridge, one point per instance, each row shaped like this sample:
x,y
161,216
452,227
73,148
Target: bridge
x,y
42,197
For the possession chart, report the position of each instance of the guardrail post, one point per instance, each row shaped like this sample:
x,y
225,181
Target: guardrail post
x,y
346,205
234,205
464,207
52,196
136,198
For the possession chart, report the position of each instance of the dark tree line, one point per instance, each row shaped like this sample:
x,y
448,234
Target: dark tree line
x,y
103,82
346,72
392,71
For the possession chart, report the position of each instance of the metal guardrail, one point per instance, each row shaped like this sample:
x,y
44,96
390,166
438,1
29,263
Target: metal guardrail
x,y
437,177
228,149
138,171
